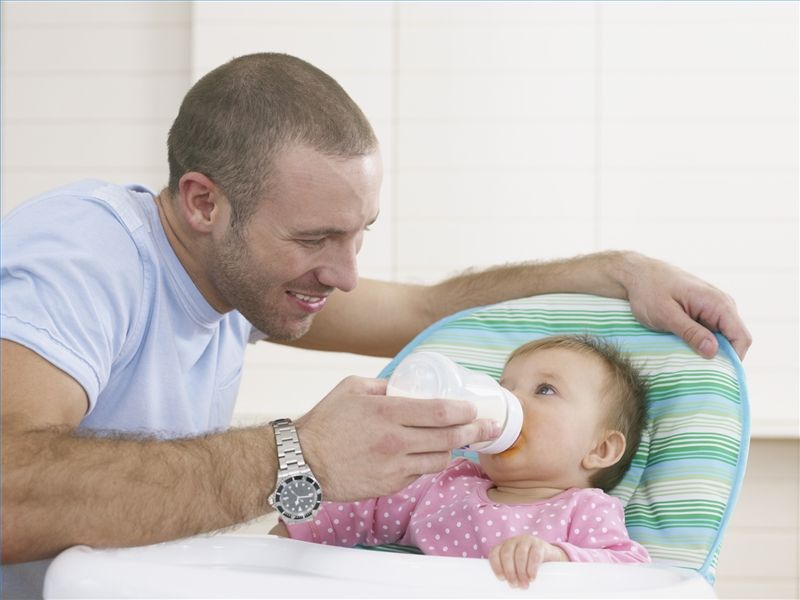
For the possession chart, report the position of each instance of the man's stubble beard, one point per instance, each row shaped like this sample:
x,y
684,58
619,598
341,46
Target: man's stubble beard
x,y
235,277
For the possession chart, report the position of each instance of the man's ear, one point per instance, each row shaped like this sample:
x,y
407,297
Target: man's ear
x,y
608,451
199,201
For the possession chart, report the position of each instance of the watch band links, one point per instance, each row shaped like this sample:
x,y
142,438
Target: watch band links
x,y
290,457
297,495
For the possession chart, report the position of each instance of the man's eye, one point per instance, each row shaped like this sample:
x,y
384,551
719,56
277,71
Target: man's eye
x,y
314,243
545,389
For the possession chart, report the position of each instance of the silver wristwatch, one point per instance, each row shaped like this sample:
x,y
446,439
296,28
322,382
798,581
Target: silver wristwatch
x,y
297,494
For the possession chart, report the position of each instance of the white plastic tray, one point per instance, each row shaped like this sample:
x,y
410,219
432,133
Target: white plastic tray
x,y
236,566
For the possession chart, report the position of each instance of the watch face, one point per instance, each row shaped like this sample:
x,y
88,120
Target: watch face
x,y
298,497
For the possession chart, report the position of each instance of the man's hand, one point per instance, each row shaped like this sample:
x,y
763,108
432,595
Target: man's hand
x,y
517,559
666,298
361,443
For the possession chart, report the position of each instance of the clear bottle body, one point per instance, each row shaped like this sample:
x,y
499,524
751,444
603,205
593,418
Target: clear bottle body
x,y
433,375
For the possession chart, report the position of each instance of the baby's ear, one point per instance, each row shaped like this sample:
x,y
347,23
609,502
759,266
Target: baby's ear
x,y
608,451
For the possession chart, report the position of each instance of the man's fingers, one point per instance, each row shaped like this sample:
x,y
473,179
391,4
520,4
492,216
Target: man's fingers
x,y
727,321
693,333
432,425
365,385
424,463
440,439
376,387
428,412
741,346
739,337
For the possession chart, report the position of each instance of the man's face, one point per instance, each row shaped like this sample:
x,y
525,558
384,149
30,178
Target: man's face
x,y
301,243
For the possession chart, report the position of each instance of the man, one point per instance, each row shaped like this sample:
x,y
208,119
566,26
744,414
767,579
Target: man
x,y
125,316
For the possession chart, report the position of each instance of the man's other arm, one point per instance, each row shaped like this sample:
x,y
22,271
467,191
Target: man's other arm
x,y
378,318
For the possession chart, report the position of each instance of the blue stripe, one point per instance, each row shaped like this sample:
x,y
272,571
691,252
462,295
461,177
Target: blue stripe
x,y
707,570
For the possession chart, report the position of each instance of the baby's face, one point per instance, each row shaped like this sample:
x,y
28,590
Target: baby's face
x,y
561,392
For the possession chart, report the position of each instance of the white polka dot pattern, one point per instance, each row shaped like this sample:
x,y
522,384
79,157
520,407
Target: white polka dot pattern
x,y
586,523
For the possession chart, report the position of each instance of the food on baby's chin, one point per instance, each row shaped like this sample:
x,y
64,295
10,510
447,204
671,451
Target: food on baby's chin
x,y
515,447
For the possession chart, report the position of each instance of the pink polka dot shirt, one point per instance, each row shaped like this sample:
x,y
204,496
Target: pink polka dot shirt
x,y
450,514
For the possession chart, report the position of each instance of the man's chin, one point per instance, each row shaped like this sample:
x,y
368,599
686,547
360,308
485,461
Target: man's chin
x,y
286,332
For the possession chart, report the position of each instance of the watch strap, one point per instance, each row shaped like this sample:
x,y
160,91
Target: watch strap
x,y
290,456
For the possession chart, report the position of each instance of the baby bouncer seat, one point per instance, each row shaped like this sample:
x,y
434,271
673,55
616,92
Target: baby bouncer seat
x,y
685,478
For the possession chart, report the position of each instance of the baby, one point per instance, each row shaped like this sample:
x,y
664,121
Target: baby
x,y
543,499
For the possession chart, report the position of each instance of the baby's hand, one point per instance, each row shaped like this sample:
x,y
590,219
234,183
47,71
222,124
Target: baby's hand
x,y
518,558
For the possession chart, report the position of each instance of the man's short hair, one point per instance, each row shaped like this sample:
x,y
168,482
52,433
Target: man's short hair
x,y
235,119
626,391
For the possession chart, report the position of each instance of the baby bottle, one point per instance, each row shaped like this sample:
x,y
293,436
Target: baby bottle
x,y
433,375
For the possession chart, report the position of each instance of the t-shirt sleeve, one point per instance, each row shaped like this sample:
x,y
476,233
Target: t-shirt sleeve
x,y
597,532
71,284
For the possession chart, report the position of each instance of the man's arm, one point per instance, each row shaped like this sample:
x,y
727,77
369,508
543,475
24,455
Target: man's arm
x,y
61,488
378,318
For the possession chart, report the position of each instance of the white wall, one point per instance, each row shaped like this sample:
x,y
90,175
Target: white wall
x,y
510,131
516,131
89,90
760,556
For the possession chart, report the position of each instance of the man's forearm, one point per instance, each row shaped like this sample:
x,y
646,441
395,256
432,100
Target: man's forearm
x,y
379,317
602,274
62,489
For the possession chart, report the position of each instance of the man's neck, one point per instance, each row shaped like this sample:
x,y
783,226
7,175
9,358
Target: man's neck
x,y
189,255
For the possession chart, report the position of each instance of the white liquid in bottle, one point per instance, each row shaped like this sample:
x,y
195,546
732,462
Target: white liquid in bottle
x,y
433,375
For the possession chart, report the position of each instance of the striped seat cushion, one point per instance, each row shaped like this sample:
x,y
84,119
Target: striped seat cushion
x,y
685,477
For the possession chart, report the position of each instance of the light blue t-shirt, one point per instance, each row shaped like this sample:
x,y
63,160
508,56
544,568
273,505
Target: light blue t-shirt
x,y
91,283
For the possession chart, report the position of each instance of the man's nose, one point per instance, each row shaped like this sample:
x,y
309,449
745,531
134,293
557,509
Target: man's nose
x,y
341,270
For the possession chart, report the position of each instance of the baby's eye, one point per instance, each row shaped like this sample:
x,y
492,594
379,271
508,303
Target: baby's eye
x,y
545,389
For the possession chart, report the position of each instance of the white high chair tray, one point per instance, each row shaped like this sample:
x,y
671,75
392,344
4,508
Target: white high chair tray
x,y
241,566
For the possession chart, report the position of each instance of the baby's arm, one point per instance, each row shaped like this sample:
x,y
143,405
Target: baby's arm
x,y
338,524
371,522
517,559
597,532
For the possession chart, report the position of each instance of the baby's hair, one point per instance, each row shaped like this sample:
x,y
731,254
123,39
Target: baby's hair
x,y
626,389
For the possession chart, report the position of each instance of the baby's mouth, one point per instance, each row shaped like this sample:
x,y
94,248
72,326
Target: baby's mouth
x,y
514,448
